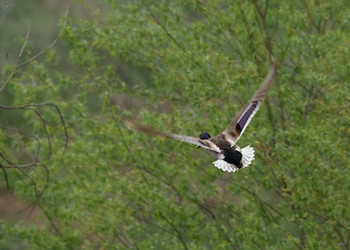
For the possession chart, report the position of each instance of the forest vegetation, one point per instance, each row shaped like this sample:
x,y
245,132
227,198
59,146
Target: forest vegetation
x,y
81,179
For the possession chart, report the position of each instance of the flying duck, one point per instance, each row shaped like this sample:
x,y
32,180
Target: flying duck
x,y
223,148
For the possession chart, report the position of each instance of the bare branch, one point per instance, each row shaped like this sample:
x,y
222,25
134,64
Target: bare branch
x,y
45,128
51,45
5,159
27,165
17,60
155,19
27,106
34,107
178,233
16,65
25,134
6,179
165,30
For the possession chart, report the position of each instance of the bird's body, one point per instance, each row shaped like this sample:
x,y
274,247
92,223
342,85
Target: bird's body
x,y
222,147
229,157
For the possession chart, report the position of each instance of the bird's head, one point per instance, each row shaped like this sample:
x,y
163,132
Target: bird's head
x,y
204,136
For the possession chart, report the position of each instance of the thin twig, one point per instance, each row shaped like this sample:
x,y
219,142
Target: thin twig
x,y
51,45
178,233
6,179
27,106
34,107
17,60
40,194
45,128
25,134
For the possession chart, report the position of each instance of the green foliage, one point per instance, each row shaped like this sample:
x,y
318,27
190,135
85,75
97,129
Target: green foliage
x,y
187,67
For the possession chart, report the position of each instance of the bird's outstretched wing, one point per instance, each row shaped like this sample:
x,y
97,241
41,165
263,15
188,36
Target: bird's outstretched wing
x,y
190,139
240,122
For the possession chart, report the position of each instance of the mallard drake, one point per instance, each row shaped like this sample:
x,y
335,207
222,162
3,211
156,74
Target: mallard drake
x,y
223,148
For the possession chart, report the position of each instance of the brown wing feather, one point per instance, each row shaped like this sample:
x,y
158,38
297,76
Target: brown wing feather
x,y
190,139
233,131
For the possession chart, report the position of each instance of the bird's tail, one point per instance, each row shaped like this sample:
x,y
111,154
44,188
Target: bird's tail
x,y
247,156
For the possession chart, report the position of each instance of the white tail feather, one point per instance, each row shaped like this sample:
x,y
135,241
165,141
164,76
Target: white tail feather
x,y
247,155
225,166
247,158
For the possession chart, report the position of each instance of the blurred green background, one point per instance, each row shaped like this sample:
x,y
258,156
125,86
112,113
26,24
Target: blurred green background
x,y
181,66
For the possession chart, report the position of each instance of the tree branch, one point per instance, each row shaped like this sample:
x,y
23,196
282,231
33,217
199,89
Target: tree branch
x,y
51,45
34,107
15,67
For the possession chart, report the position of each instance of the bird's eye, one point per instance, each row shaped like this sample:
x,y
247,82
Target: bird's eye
x,y
204,136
